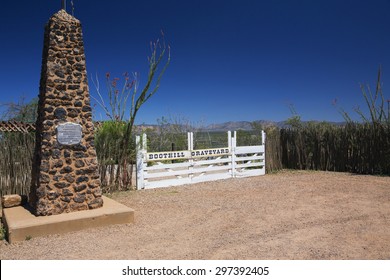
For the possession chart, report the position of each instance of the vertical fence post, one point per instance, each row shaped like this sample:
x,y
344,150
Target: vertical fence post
x,y
144,151
263,140
234,154
190,141
233,144
229,133
139,162
263,135
141,153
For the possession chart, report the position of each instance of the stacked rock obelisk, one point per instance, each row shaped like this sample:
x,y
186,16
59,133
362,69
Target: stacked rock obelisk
x,y
65,174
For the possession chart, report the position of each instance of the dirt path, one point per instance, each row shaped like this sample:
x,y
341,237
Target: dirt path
x,y
289,215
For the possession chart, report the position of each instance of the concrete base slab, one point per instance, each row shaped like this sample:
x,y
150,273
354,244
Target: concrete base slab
x,y
21,224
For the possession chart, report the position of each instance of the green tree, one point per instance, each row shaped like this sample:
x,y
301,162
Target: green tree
x,y
21,111
295,120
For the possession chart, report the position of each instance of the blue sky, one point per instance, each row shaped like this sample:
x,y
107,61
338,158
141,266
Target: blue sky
x,y
230,60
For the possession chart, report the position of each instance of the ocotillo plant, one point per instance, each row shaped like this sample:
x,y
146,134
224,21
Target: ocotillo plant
x,y
129,95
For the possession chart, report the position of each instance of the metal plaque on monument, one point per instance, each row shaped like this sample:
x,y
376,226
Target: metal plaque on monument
x,y
69,133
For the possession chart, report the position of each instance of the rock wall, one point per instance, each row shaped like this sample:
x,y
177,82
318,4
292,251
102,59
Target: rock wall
x,y
65,176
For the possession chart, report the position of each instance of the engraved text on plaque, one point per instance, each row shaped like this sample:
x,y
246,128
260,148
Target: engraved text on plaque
x,y
69,133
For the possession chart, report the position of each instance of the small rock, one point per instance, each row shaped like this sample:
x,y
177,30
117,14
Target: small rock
x,y
13,200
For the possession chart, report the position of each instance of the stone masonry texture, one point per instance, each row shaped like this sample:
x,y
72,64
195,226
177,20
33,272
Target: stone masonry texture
x,y
65,178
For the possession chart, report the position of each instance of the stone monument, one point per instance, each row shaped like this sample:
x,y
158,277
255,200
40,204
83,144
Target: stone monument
x,y
65,174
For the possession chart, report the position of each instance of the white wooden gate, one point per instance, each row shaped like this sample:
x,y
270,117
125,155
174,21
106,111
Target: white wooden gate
x,y
172,168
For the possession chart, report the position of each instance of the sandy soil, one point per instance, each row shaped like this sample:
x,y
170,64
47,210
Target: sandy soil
x,y
289,215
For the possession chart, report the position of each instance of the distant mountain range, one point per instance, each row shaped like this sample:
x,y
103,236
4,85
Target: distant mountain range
x,y
245,125
238,125
241,125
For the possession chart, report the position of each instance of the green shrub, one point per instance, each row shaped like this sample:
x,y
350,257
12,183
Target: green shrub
x,y
2,232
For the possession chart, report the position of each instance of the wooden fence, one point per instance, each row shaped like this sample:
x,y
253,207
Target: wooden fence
x,y
355,148
172,168
13,126
16,151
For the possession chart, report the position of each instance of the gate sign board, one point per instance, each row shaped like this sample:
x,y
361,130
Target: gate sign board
x,y
168,155
175,168
69,133
187,154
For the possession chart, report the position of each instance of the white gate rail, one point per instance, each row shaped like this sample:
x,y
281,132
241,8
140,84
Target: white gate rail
x,y
173,168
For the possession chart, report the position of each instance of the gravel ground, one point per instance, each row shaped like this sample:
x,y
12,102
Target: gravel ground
x,y
288,215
